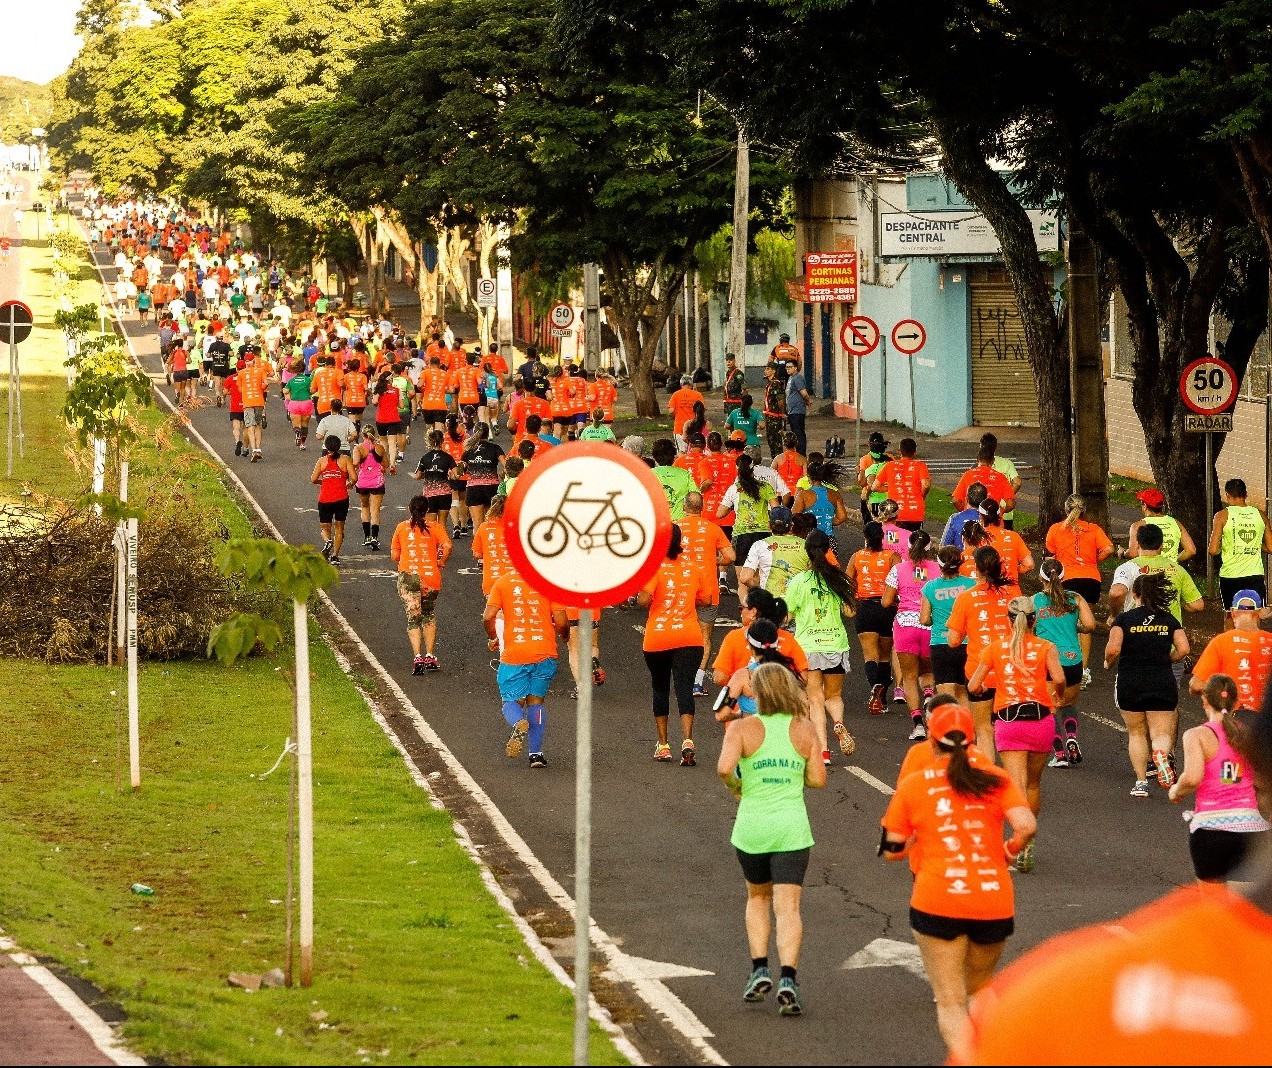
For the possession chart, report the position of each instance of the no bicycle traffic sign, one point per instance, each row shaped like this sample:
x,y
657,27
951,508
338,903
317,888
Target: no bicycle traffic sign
x,y
587,525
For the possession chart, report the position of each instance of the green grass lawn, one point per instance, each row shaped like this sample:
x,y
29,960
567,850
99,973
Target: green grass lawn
x,y
414,960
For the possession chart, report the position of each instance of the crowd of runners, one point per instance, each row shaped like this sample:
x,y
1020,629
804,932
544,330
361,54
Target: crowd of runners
x,y
934,615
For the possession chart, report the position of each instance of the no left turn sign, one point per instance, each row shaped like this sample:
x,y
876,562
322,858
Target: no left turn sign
x,y
587,525
859,335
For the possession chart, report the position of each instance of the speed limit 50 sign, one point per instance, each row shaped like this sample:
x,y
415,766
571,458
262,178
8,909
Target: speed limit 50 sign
x,y
1208,387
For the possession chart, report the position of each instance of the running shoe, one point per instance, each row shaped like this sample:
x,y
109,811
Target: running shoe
x,y
1140,789
375,545
1072,748
334,560
366,542
460,532
699,690
847,744
758,986
302,445
826,757
928,693
256,456
264,419
393,469
1086,678
875,705
688,754
238,448
430,663
219,402
517,739
598,673
326,549
538,760
417,666
1059,759
1025,861
788,1002
725,589
662,751
1165,770
918,732
898,695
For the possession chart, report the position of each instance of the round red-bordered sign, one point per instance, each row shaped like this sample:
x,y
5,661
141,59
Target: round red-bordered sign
x,y
587,525
1208,386
859,335
562,316
908,336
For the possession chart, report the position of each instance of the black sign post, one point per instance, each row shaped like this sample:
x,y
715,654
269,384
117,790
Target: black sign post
x,y
15,327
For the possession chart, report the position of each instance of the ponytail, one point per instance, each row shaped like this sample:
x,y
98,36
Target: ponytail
x,y
747,482
1075,506
989,566
974,535
830,577
1052,572
964,779
919,542
873,534
419,512
950,560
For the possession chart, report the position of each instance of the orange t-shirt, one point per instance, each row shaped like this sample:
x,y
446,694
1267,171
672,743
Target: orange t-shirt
x,y
963,866
902,479
1078,548
252,384
981,614
606,395
735,653
920,757
1014,684
416,551
562,403
355,390
468,380
872,571
722,469
678,589
1011,550
995,483
578,395
432,389
455,450
1181,981
1246,656
701,540
491,548
497,364
790,466
681,407
326,387
527,406
693,461
529,635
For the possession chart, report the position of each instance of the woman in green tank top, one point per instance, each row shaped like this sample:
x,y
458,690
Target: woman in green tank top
x,y
766,761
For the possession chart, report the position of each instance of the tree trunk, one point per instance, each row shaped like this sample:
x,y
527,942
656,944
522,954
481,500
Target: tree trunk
x,y
641,299
412,251
987,189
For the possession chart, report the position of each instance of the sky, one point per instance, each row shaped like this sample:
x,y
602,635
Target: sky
x,y
40,35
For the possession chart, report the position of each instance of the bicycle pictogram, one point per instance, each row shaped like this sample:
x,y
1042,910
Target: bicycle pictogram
x,y
622,535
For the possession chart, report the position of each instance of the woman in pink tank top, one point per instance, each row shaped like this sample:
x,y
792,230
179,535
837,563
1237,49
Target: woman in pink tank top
x,y
1226,824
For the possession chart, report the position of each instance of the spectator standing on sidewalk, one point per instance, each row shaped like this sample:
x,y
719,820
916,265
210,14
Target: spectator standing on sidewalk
x,y
797,401
774,406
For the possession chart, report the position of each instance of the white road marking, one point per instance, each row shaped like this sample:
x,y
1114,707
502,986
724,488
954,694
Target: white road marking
x,y
866,777
887,953
1120,727
677,1014
69,1002
659,969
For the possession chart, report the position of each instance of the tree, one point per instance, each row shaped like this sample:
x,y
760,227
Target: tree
x,y
478,121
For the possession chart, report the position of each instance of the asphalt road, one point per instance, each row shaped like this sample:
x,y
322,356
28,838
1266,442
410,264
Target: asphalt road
x,y
667,885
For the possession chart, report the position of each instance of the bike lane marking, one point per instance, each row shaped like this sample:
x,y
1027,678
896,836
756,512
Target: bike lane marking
x,y
650,990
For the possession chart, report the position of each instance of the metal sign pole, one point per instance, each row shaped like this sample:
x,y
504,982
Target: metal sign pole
x,y
861,364
1210,512
13,363
914,408
305,792
17,393
883,380
583,842
1267,457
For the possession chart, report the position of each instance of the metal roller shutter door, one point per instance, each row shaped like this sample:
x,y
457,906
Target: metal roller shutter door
x,y
1003,388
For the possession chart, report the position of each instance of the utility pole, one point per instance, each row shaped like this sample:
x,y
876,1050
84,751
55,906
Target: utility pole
x,y
591,316
1086,379
735,339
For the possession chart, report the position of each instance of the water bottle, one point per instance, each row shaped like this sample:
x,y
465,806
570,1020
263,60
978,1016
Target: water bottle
x,y
142,890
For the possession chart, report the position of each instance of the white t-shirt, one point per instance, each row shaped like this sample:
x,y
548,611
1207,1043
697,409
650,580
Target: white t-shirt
x,y
760,560
769,475
1126,574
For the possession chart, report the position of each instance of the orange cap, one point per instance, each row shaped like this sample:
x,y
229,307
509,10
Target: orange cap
x,y
738,435
948,718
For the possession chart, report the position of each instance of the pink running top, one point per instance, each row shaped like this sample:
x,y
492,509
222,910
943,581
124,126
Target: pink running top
x,y
908,579
1225,798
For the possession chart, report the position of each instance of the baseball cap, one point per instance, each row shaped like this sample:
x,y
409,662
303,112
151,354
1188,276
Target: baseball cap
x,y
946,719
738,435
1247,599
781,514
877,440
1153,497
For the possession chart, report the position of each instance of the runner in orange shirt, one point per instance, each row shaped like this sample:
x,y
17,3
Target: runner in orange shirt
x,y
673,642
1012,550
527,659
432,389
906,480
720,471
468,382
522,409
680,404
1030,681
790,465
995,482
705,544
736,653
980,616
606,394
355,393
868,569
420,548
1080,547
253,380
1244,653
326,384
962,907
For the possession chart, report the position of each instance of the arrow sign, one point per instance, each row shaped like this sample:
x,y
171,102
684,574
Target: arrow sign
x,y
908,336
887,953
15,322
859,335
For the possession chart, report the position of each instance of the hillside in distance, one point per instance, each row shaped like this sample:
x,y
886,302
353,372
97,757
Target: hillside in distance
x,y
24,106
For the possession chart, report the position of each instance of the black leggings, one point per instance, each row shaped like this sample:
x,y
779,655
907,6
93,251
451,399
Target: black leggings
x,y
678,664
